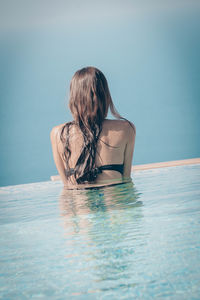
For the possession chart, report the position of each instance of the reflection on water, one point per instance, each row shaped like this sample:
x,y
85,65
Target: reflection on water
x,y
119,196
74,203
103,243
101,218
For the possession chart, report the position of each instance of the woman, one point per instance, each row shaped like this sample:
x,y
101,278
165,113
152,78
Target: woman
x,y
91,150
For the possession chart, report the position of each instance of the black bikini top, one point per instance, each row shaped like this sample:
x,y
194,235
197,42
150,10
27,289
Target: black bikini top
x,y
115,167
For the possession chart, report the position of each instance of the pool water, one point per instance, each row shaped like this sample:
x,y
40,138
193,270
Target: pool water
x,y
139,240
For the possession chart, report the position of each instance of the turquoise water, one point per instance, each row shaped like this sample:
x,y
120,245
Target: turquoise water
x,y
130,241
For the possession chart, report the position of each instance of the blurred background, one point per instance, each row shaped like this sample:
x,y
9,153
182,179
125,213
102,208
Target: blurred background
x,y
149,52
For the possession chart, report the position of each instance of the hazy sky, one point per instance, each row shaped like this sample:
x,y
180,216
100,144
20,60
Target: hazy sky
x,y
23,14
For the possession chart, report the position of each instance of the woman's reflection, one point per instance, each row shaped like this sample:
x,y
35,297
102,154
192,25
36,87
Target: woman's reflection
x,y
104,219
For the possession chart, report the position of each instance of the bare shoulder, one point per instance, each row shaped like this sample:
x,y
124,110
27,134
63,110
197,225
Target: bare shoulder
x,y
56,131
130,127
124,125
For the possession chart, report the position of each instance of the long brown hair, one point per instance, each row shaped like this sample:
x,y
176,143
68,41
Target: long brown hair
x,y
89,102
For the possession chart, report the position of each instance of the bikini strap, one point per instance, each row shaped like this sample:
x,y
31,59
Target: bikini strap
x,y
114,167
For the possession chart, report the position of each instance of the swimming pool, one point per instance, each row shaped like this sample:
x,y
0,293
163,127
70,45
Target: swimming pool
x,y
130,241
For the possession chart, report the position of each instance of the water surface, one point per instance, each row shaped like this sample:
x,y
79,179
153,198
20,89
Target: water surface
x,y
139,240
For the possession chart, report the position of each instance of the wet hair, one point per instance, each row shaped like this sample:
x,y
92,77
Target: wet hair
x,y
89,102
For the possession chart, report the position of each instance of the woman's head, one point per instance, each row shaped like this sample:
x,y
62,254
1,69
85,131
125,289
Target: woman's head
x,y
90,98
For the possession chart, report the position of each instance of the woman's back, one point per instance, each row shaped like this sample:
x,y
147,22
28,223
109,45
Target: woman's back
x,y
115,147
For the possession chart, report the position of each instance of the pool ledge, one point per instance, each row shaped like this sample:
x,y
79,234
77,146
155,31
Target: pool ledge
x,y
172,163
